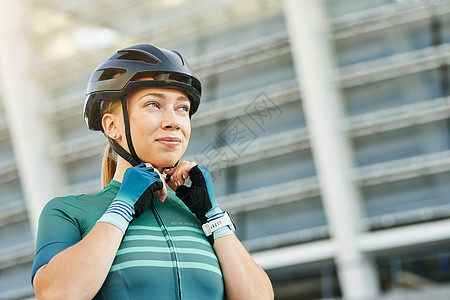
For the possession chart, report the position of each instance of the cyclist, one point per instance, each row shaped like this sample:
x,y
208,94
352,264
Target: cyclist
x,y
136,239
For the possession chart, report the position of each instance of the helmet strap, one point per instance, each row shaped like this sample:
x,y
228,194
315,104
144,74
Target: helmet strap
x,y
122,152
132,157
126,121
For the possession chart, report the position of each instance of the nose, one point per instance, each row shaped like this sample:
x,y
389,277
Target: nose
x,y
170,120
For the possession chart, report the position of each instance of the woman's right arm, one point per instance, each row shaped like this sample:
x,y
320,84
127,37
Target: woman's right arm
x,y
79,271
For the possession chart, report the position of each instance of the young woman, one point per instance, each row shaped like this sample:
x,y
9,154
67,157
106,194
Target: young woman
x,y
136,239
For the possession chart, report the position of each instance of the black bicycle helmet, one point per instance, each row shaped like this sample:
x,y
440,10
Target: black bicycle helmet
x,y
123,72
119,75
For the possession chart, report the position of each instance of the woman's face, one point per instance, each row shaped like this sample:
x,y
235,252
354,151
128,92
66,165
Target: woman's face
x,y
160,124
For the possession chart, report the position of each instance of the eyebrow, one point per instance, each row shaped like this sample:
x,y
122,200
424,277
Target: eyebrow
x,y
162,95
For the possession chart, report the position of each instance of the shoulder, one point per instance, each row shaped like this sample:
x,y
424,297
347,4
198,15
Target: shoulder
x,y
68,207
82,201
61,203
82,211
79,205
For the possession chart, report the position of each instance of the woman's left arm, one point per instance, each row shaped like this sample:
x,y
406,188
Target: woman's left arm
x,y
243,278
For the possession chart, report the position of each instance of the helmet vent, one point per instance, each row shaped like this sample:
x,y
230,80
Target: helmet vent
x,y
111,73
137,56
162,77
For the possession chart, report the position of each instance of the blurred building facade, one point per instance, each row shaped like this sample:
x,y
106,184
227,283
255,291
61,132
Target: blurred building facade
x,y
325,123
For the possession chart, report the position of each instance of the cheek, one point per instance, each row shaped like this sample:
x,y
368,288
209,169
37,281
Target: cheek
x,y
121,125
143,124
187,130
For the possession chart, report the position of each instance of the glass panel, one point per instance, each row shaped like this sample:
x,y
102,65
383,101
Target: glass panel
x,y
265,117
274,170
393,92
221,179
60,87
253,76
402,143
15,283
361,48
445,27
74,127
2,109
278,219
261,118
84,169
416,273
226,38
342,7
247,32
411,194
201,139
6,150
306,281
11,191
14,234
383,43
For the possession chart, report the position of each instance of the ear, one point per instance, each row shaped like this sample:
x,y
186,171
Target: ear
x,y
111,125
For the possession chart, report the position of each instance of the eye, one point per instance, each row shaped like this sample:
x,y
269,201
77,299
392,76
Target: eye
x,y
151,104
184,108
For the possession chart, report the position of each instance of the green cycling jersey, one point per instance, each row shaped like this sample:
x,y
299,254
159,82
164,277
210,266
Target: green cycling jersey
x,y
163,255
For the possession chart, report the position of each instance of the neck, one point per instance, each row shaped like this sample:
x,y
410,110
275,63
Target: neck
x,y
122,166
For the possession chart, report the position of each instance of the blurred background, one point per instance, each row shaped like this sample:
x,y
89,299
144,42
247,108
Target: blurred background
x,y
325,122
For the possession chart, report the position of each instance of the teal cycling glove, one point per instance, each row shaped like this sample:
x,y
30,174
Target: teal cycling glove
x,y
139,185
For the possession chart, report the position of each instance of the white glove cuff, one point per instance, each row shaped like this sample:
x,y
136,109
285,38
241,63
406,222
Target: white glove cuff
x,y
223,222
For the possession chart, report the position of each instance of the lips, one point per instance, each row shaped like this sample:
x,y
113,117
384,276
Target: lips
x,y
169,141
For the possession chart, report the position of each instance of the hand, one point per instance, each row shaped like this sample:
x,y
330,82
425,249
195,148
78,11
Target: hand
x,y
199,197
139,185
178,174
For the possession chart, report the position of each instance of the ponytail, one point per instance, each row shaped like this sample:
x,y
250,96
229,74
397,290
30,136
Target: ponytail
x,y
109,165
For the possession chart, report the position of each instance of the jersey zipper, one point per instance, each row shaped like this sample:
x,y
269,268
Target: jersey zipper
x,y
172,249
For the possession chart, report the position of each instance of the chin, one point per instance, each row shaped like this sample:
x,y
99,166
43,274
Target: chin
x,y
164,163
